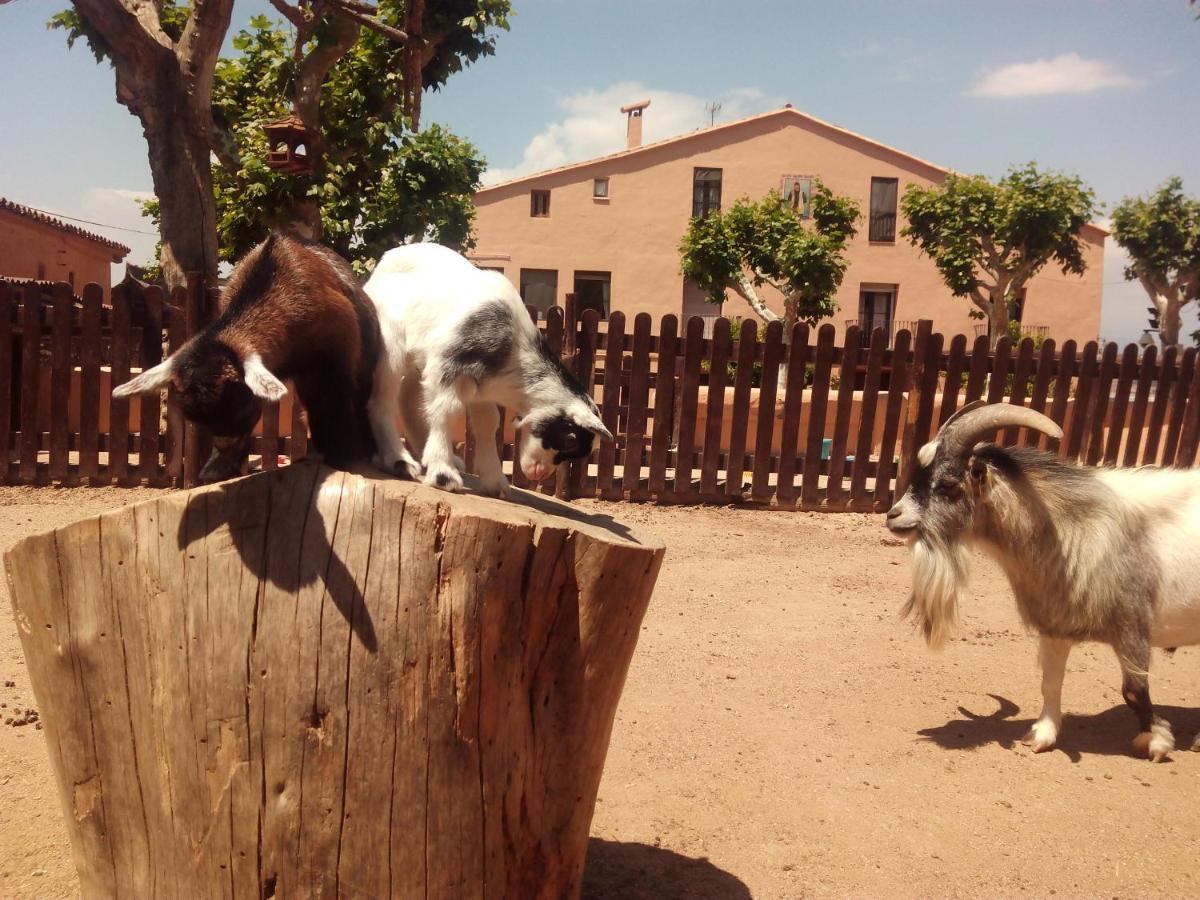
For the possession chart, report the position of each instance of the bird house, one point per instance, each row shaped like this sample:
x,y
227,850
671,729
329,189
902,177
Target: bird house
x,y
288,142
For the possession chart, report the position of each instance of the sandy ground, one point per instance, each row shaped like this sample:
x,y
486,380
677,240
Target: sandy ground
x,y
783,735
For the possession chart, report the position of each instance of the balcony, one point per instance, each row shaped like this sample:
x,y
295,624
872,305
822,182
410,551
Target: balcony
x,y
1039,333
868,324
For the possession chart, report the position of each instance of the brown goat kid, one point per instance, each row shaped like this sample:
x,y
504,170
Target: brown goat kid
x,y
292,309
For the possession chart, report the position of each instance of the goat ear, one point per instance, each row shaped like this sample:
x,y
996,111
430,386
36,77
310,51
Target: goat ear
x,y
151,380
261,382
979,476
518,421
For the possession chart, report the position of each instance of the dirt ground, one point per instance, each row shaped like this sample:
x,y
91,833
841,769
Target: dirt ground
x,y
783,735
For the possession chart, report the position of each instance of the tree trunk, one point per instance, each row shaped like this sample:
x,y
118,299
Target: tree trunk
x,y
998,319
316,683
182,174
1169,322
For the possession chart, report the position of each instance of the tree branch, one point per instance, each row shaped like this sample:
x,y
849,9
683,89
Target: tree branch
x,y
311,73
744,289
293,14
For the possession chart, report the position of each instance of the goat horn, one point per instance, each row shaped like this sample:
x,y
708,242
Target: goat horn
x,y
961,431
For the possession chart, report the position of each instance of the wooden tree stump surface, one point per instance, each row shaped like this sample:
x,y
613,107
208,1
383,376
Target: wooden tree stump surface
x,y
316,683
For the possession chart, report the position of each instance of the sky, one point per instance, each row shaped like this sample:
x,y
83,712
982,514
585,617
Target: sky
x,y
1105,89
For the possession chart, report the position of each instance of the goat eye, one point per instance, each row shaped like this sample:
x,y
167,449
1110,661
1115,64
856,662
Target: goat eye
x,y
951,489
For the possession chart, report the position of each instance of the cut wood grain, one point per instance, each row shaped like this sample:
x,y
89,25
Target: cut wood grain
x,y
318,683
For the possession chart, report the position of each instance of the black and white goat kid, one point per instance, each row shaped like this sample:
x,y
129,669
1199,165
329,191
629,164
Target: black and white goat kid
x,y
291,309
458,338
1092,554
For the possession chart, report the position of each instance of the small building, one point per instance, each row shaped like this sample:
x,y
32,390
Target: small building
x,y
34,245
609,229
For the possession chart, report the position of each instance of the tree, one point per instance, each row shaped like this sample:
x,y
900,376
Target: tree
x,y
1161,234
768,242
988,239
165,57
375,182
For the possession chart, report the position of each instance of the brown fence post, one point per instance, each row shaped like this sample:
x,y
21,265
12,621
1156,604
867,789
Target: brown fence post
x,y
6,385
194,455
31,339
60,384
150,415
919,396
585,371
90,398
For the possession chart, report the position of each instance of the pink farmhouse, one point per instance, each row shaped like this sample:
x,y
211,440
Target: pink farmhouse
x,y
608,229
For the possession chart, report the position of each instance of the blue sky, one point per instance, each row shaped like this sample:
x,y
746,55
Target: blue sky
x,y
1103,89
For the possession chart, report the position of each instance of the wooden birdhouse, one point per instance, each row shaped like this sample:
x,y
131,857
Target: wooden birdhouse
x,y
288,142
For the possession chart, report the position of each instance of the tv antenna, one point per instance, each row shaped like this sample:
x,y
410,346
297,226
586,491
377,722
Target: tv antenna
x,y
712,109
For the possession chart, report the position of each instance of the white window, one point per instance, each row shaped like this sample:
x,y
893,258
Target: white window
x,y
600,188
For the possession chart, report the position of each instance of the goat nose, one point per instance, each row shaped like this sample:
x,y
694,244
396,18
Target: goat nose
x,y
894,512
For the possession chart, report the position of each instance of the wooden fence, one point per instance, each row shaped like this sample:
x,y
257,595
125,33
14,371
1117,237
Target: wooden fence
x,y
807,424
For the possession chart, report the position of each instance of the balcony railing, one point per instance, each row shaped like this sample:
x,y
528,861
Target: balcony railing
x,y
1037,332
868,324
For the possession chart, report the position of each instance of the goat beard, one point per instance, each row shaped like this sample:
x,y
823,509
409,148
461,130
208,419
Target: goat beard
x,y
939,576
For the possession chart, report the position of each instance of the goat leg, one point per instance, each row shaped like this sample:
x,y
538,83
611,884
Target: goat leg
x,y
1155,738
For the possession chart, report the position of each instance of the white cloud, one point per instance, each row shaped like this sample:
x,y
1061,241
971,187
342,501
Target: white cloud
x,y
1067,73
120,207
592,124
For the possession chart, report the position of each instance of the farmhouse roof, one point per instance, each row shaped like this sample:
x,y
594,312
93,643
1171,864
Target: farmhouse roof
x,y
119,251
788,111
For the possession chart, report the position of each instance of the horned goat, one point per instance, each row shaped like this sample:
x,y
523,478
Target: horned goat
x,y
458,338
292,309
1092,554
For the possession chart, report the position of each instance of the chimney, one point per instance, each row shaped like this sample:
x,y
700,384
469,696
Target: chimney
x,y
633,128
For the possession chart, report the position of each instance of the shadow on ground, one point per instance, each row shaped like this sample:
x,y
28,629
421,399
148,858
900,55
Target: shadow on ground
x,y
1109,733
621,871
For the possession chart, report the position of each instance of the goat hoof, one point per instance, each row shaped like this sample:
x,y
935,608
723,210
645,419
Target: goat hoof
x,y
1042,736
444,478
497,489
1155,744
1196,744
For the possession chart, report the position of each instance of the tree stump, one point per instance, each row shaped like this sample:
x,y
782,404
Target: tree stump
x,y
316,683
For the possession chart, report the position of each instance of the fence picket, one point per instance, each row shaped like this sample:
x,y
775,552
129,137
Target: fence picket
x,y
89,383
956,363
176,320
764,435
1067,369
810,490
554,340
1179,398
1120,404
610,406
718,378
1041,387
122,351
793,404
916,420
977,379
834,490
1167,375
681,485
60,383
31,337
639,401
151,404
1001,366
1088,367
664,405
1137,416
888,464
1093,447
1022,372
735,466
1185,456
585,371
8,308
860,500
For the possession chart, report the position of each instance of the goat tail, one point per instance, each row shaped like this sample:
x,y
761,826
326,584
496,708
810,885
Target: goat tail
x,y
939,576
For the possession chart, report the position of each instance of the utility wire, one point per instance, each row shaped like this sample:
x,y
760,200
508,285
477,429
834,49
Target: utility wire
x,y
46,212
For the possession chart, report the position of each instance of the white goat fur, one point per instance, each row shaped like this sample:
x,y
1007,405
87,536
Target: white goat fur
x,y
426,296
